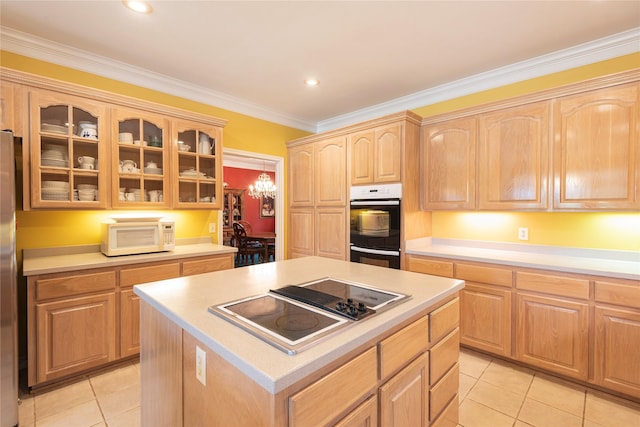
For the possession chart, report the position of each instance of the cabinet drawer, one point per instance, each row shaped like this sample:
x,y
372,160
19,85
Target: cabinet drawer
x,y
149,273
444,355
428,266
444,320
207,265
443,392
449,417
69,286
552,284
626,294
402,346
491,275
330,396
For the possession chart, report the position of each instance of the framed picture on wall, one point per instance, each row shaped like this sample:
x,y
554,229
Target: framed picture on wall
x,y
267,207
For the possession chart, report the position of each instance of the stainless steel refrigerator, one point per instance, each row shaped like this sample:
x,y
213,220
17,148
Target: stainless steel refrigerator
x,y
8,286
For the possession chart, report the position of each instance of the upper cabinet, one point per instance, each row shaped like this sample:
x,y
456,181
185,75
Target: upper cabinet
x,y
448,158
330,172
197,165
513,158
68,152
140,166
597,149
301,175
577,145
89,149
375,155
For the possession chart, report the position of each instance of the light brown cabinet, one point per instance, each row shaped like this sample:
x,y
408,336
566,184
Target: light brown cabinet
x,y
404,398
365,415
376,155
322,168
449,161
197,170
301,176
149,142
513,157
85,319
232,211
581,327
597,149
553,334
66,169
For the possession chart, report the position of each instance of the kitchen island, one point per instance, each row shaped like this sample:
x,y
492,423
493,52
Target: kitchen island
x,y
397,366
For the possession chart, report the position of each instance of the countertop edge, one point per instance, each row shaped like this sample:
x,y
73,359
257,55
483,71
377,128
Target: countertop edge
x,y
567,262
69,261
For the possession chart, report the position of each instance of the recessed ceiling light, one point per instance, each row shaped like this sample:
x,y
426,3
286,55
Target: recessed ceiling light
x,y
138,6
312,82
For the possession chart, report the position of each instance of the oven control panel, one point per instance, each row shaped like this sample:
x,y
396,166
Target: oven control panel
x,y
350,308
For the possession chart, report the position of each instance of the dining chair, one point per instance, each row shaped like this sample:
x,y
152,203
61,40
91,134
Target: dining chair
x,y
247,249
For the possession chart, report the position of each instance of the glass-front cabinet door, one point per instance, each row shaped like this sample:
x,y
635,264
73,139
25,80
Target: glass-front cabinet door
x,y
197,165
140,166
69,156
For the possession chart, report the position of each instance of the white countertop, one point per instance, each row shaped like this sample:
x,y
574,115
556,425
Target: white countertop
x,y
185,301
71,258
599,262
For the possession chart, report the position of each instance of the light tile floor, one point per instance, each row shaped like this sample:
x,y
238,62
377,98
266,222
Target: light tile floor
x,y
493,393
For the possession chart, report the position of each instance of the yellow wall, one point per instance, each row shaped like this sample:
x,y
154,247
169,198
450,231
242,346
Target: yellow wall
x,y
619,231
589,230
38,229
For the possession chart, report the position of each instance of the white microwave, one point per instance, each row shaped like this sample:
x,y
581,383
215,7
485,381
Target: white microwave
x,y
136,235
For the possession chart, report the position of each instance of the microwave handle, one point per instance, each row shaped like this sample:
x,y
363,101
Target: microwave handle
x,y
374,251
375,203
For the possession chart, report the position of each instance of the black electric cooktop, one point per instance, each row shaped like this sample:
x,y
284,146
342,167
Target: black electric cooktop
x,y
294,316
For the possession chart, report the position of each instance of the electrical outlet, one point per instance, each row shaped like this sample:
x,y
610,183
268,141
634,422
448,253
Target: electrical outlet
x,y
201,365
523,233
212,227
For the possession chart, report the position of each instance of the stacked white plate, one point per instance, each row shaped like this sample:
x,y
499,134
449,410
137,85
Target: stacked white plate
x,y
137,195
49,127
192,173
55,190
54,155
154,171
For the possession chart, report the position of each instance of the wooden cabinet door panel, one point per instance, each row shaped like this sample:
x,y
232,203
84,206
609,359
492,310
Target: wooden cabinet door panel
x,y
443,392
301,232
428,266
301,173
402,346
129,323
485,320
331,172
149,273
513,158
596,149
449,165
207,265
403,399
362,152
331,233
553,334
617,354
74,335
388,146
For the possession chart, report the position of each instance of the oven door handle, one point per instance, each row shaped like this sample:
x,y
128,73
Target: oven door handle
x,y
374,251
375,203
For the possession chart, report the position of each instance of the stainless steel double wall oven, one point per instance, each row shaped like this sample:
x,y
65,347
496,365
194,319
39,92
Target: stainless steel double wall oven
x,y
375,224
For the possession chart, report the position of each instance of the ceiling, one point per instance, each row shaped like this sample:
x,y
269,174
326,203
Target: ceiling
x,y
252,57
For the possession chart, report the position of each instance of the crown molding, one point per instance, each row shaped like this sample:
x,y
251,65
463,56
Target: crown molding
x,y
613,46
56,53
620,44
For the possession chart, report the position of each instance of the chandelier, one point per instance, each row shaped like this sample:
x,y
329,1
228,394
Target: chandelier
x,y
263,188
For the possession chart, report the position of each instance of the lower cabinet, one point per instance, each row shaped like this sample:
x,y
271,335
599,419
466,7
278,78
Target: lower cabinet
x,y
82,320
403,399
59,324
365,415
582,327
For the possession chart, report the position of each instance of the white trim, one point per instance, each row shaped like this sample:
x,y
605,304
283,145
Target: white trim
x,y
238,157
616,45
602,49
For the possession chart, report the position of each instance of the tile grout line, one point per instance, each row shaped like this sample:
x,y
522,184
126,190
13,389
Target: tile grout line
x,y
95,396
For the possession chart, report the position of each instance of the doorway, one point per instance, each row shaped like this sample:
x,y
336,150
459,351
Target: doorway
x,y
259,162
